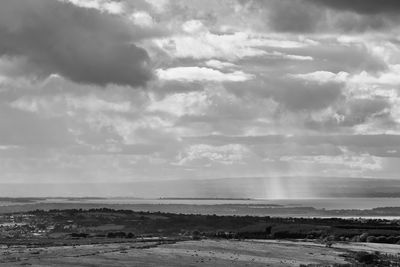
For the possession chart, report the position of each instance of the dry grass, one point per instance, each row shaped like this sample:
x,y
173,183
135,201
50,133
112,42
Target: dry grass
x,y
189,253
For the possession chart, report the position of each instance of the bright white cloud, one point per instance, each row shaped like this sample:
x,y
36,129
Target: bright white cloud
x,y
202,74
198,42
216,64
323,76
158,5
193,26
206,45
69,103
142,19
112,7
227,154
390,77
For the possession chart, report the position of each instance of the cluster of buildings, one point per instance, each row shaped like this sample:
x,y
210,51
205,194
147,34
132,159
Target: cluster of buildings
x,y
24,225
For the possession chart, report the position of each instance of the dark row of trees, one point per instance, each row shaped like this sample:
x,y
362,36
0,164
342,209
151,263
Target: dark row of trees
x,y
108,235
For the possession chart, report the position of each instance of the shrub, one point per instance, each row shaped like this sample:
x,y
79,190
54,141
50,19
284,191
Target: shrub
x,y
79,235
111,235
363,237
196,235
365,257
381,239
288,234
392,239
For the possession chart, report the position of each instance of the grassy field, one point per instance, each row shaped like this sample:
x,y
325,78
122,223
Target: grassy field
x,y
188,253
191,253
105,237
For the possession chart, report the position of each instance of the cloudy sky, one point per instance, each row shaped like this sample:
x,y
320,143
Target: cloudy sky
x,y
138,90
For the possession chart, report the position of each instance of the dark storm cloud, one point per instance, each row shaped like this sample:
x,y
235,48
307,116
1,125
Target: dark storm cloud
x,y
293,16
286,15
314,16
361,15
361,6
84,45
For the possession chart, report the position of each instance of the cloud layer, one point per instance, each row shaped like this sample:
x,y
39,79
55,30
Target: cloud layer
x,y
362,6
121,91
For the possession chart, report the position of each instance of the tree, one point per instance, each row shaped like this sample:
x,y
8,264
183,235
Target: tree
x,y
363,237
365,257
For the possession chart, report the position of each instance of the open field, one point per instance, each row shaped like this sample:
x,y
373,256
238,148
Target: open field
x,y
106,237
188,253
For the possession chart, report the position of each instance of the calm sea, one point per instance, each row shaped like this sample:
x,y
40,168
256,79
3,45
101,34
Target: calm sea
x,y
256,207
320,203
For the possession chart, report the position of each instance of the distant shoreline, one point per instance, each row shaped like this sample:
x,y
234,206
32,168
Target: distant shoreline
x,y
220,207
203,198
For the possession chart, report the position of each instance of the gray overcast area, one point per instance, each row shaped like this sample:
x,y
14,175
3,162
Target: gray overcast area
x,y
101,91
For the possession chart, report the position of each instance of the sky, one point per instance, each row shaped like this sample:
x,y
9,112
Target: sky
x,y
101,91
